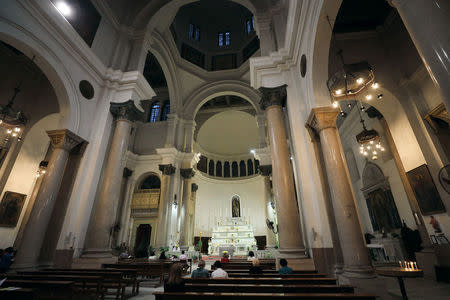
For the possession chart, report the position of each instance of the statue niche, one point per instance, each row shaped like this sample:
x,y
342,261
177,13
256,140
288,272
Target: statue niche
x,y
235,207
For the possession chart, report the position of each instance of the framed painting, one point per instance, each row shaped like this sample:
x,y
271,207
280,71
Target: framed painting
x,y
425,190
10,208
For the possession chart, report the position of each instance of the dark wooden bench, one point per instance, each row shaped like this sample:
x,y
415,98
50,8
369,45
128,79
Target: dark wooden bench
x,y
19,294
258,296
111,280
46,289
272,271
267,288
143,270
265,275
253,280
90,286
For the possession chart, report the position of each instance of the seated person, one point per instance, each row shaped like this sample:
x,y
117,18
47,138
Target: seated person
x,y
284,268
183,256
219,272
255,268
225,258
175,281
7,259
162,255
201,272
251,256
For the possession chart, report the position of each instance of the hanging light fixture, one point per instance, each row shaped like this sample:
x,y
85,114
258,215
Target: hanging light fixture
x,y
369,141
13,121
352,82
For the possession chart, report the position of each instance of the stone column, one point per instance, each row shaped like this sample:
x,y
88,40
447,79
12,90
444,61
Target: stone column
x,y
266,171
289,230
355,253
165,205
186,207
121,217
33,236
100,232
261,123
194,188
428,22
189,129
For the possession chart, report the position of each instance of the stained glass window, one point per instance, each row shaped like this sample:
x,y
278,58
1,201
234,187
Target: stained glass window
x,y
154,113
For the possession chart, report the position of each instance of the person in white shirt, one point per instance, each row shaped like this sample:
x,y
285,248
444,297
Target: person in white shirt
x,y
251,256
219,272
183,256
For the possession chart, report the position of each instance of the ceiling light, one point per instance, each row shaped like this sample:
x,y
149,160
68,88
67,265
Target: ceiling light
x,y
64,8
338,92
368,97
379,96
252,151
375,85
335,104
359,80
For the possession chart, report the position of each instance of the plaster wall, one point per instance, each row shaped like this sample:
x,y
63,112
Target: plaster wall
x,y
214,200
150,136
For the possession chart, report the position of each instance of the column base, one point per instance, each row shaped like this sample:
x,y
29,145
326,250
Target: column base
x,y
292,253
97,253
297,259
338,268
358,272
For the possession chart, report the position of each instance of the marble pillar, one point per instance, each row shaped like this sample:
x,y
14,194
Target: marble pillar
x,y
165,206
428,22
266,172
62,141
289,229
356,258
100,233
194,188
186,207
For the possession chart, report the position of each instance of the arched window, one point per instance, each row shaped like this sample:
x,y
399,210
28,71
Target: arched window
x,y
151,182
226,169
219,169
242,169
250,167
165,110
234,169
211,168
154,112
202,164
256,165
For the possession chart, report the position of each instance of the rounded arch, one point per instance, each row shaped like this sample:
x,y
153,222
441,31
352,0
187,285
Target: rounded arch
x,y
159,48
372,174
141,179
53,68
220,88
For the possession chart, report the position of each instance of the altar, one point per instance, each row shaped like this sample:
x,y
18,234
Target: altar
x,y
233,235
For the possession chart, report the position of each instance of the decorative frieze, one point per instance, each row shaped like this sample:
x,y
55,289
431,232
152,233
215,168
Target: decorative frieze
x,y
64,138
167,169
275,96
187,173
126,111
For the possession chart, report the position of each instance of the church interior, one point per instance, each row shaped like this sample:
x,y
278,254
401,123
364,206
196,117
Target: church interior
x,y
312,131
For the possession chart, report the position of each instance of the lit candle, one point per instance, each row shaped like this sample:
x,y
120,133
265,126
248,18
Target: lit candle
x,y
400,264
404,263
415,264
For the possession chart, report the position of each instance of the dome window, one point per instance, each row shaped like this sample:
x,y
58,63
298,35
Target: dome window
x,y
154,113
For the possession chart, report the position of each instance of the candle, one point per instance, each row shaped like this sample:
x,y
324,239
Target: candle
x,y
415,264
404,263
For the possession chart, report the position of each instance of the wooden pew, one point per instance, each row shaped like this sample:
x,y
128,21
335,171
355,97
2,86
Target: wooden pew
x,y
258,296
111,280
272,271
275,281
265,275
19,294
129,275
46,289
267,288
143,269
87,285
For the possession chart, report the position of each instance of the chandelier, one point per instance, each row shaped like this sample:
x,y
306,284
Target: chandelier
x,y
13,121
369,141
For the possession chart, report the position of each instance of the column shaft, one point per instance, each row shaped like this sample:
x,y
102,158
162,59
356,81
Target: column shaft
x,y
62,142
165,206
428,22
185,209
271,239
355,253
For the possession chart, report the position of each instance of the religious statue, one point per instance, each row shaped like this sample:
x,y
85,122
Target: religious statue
x,y
435,224
236,207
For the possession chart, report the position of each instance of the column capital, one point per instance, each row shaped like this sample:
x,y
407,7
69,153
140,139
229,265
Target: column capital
x,y
321,118
194,187
272,96
127,172
265,170
187,173
167,169
64,138
126,111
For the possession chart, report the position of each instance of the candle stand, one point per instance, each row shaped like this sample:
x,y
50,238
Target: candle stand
x,y
400,273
